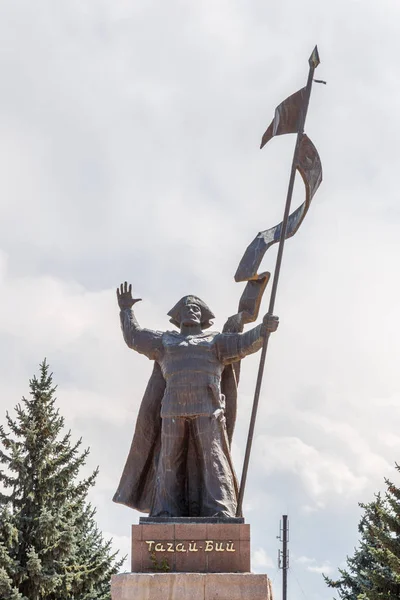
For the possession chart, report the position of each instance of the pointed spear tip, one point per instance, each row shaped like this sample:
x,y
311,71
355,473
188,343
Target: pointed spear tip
x,y
314,61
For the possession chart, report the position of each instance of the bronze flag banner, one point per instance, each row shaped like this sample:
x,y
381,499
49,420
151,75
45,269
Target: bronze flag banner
x,y
288,116
309,166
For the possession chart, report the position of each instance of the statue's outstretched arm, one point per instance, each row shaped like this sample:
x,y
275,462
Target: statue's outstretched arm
x,y
232,347
145,341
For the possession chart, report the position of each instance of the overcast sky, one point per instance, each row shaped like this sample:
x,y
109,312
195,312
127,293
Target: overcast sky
x,y
129,136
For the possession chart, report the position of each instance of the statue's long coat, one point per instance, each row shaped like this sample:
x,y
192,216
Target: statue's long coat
x,y
138,478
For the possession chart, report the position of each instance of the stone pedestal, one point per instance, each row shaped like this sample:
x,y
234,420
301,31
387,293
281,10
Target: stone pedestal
x,y
193,586
196,559
191,547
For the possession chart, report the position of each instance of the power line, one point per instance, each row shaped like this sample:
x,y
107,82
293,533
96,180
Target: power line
x,y
298,583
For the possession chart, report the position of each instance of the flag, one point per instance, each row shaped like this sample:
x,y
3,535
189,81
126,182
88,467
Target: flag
x,y
249,304
309,166
288,116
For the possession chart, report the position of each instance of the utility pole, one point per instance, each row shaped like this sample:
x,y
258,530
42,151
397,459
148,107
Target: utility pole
x,y
283,555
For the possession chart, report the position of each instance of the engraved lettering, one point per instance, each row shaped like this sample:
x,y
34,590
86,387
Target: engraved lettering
x,y
150,545
210,546
159,548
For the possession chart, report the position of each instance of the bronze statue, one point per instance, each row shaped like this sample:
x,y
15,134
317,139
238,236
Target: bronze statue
x,y
180,464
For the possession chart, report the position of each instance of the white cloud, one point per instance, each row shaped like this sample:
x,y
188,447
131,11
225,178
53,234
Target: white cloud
x,y
312,566
305,560
325,569
260,561
322,475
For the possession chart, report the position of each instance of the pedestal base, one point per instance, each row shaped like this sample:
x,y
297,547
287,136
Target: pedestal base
x,y
196,586
181,545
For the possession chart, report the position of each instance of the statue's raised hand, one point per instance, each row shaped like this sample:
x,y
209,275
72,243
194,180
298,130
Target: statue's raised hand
x,y
124,296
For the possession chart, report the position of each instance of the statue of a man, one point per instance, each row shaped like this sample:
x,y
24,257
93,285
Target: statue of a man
x,y
180,462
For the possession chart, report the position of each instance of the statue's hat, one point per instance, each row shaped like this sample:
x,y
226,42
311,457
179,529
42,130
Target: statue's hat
x,y
206,314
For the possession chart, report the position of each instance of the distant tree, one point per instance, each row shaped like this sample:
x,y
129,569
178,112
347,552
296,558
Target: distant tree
x,y
373,572
355,578
50,546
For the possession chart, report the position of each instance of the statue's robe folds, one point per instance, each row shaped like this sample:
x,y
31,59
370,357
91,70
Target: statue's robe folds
x,y
136,487
138,478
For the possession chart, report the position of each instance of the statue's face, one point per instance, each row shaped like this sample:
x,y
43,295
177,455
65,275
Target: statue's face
x,y
190,315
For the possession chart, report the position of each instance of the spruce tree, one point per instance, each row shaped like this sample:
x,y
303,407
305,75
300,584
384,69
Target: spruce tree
x,y
355,579
50,546
385,577
373,572
8,565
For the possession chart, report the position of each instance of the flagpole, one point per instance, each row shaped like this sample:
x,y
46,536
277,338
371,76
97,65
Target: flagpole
x,y
313,63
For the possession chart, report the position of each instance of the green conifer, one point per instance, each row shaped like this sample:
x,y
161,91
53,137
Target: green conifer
x,y
373,572
385,577
50,547
356,577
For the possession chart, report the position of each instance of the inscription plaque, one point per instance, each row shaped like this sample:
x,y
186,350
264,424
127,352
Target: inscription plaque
x,y
191,547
